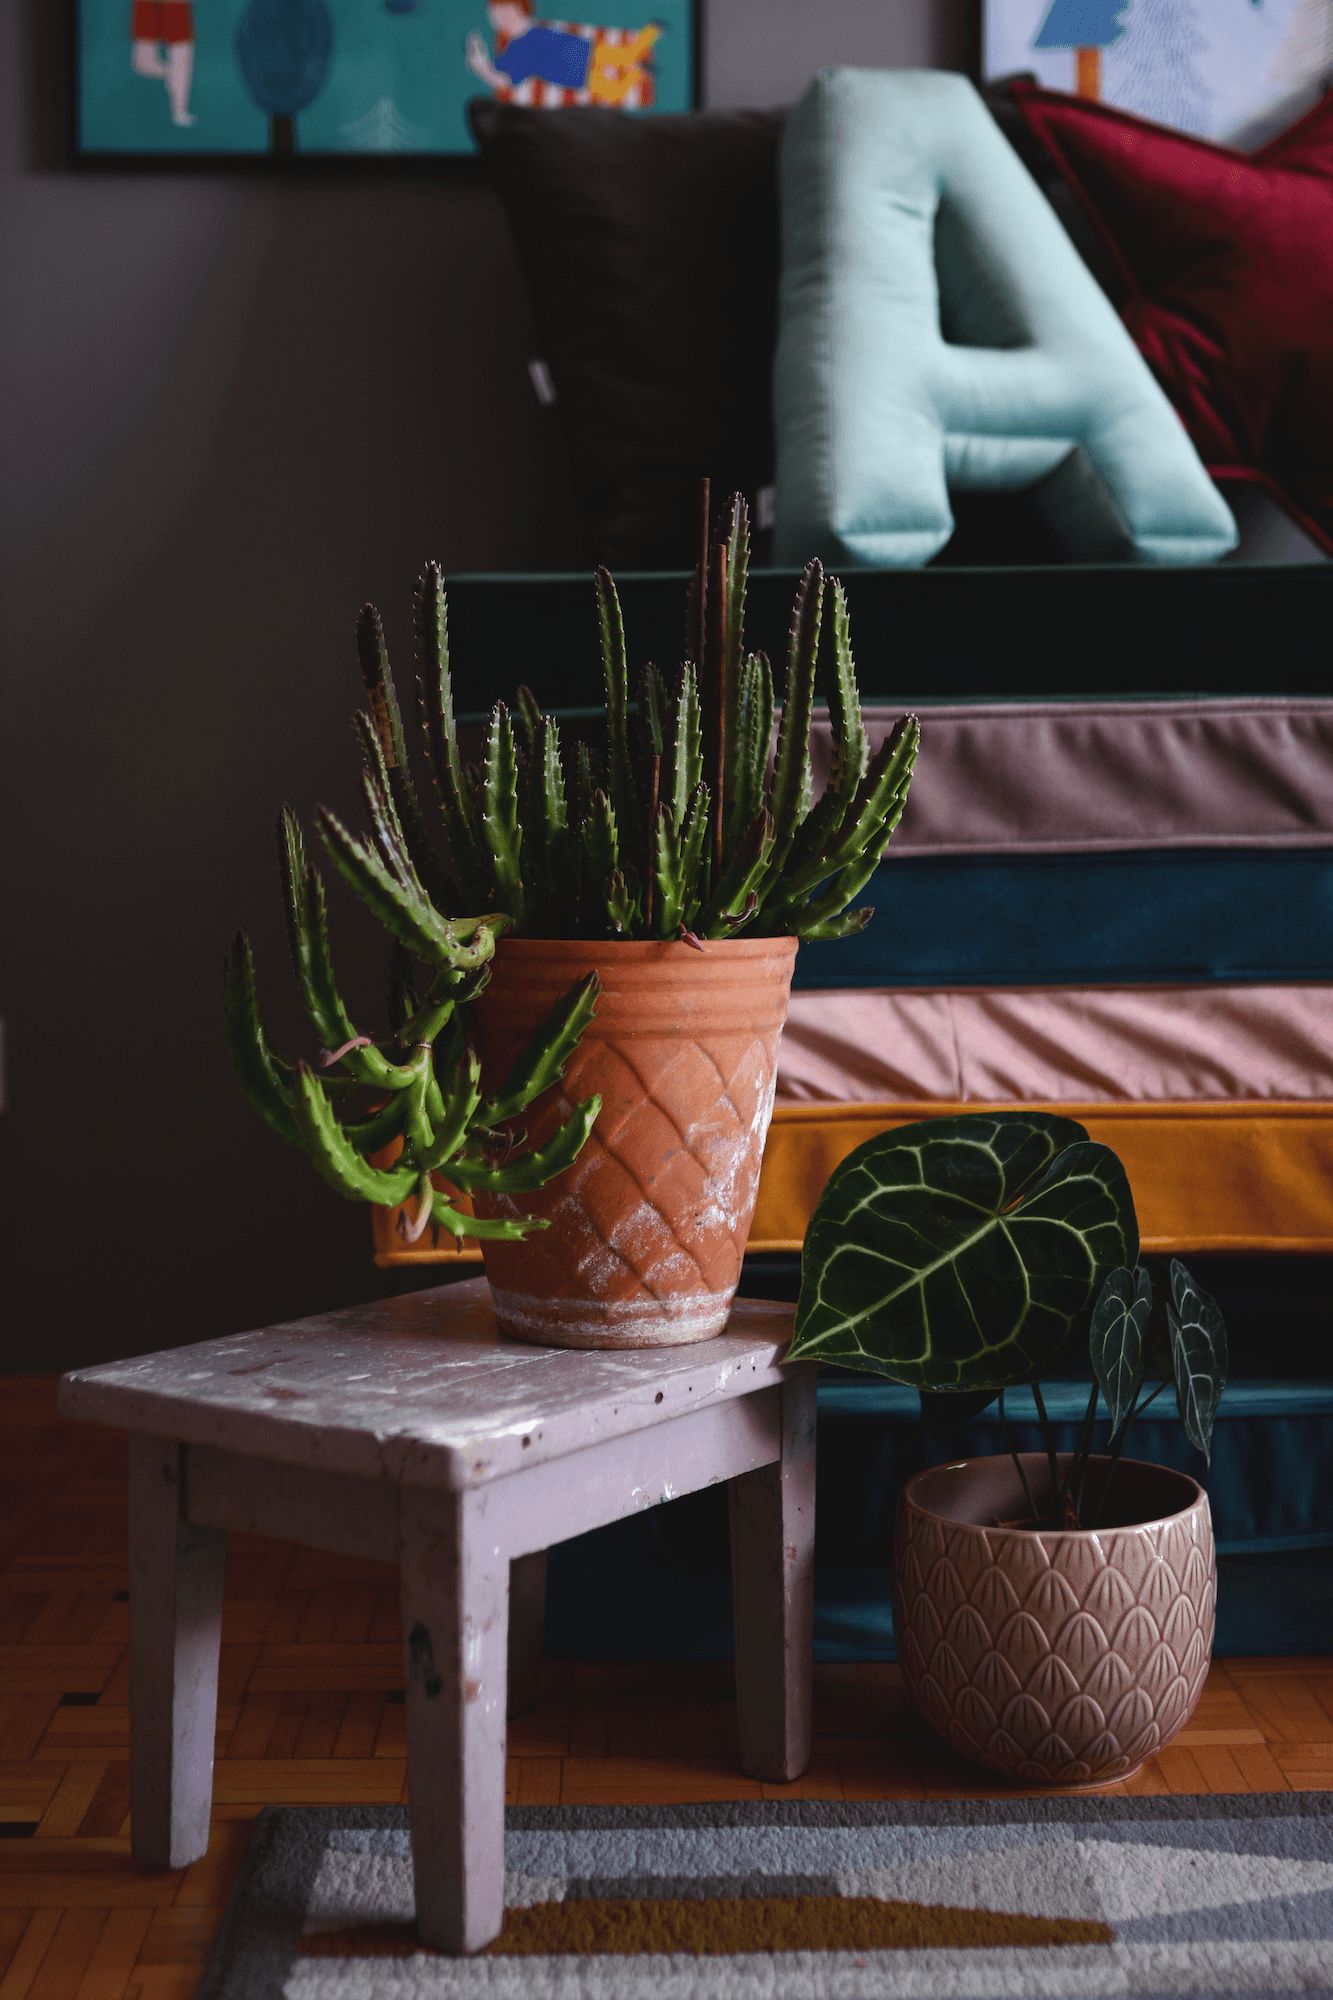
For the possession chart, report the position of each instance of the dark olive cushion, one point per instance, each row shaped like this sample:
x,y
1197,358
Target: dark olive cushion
x,y
650,248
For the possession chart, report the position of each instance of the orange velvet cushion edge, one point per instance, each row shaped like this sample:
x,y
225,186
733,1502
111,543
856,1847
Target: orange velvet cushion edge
x,y
1243,1177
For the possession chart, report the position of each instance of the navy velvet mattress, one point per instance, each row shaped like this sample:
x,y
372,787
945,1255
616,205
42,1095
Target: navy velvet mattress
x,y
658,1586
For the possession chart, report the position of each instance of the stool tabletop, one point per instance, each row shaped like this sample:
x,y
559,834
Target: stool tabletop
x,y
422,1389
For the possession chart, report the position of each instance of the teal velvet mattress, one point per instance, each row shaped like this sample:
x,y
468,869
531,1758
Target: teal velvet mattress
x,y
1076,919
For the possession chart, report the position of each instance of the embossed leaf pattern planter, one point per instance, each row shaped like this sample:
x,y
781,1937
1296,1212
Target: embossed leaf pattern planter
x,y
1061,1659
649,1225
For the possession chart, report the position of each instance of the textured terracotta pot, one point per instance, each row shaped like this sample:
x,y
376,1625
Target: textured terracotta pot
x,y
649,1226
1061,1659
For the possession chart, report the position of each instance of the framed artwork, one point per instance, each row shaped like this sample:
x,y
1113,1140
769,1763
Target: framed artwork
x,y
328,77
1235,71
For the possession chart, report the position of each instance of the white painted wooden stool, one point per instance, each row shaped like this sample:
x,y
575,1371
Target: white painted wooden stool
x,y
411,1430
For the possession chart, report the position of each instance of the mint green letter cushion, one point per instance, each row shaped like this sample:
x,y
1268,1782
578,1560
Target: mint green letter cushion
x,y
938,328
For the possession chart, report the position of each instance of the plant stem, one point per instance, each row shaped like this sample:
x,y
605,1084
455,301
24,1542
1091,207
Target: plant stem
x,y
715,749
1078,1463
654,786
1018,1464
1048,1439
700,605
1119,1445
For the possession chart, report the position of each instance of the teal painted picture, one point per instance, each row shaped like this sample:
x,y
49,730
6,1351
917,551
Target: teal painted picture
x,y
360,76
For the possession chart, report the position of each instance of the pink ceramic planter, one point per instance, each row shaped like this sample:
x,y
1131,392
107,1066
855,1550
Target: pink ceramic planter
x,y
1059,1659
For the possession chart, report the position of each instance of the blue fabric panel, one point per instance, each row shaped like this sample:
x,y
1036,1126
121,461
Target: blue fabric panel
x,y
1270,1484
657,1586
624,1602
1188,915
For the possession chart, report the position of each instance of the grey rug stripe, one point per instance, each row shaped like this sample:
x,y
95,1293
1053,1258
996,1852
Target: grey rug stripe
x,y
1237,1898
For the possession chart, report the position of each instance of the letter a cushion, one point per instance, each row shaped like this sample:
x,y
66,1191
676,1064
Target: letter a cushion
x,y
938,328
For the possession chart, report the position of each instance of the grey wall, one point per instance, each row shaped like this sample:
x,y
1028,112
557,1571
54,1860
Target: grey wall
x,y
760,52
235,405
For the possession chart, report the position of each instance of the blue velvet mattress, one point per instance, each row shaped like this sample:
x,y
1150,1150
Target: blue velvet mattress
x,y
658,1586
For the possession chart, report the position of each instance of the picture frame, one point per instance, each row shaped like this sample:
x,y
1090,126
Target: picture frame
x,y
359,79
1236,72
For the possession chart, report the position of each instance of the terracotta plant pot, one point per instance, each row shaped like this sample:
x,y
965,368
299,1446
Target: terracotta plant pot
x,y
1061,1659
649,1226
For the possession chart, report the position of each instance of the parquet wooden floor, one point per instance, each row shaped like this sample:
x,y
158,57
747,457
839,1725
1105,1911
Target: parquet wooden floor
x,y
310,1713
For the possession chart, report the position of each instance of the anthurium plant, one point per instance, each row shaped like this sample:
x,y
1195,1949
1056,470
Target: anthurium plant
x,y
965,1256
684,823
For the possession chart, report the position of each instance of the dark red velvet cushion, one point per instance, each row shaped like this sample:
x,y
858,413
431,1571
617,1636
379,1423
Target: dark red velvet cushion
x,y
1229,261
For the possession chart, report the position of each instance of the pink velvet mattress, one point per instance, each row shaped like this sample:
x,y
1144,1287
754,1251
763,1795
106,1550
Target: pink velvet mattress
x,y
1073,777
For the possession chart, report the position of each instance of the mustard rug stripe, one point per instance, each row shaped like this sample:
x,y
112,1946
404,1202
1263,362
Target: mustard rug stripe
x,y
727,1925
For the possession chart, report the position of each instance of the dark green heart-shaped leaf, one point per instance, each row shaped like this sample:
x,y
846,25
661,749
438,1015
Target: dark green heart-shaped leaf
x,y
1198,1357
963,1253
1116,1339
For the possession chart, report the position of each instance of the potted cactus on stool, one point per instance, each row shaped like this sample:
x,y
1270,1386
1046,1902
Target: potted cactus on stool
x,y
634,911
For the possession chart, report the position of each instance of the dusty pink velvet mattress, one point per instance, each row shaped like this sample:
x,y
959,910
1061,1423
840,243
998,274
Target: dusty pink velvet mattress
x,y
1059,1044
1078,777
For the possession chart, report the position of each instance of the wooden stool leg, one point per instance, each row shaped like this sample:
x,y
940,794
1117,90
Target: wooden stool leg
x,y
455,1585
527,1613
773,1590
175,1631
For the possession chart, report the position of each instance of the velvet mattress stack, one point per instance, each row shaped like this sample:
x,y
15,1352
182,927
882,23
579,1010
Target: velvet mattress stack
x,y
1118,906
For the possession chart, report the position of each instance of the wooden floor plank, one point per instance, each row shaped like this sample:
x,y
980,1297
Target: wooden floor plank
x,y
1286,1706
29,1718
57,1669
61,1971
284,1782
73,1796
32,1948
538,1781
108,1970
652,1781
360,1726
105,1814
13,1923
181,1935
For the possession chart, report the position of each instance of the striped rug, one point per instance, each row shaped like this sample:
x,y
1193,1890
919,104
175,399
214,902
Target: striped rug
x,y
807,1901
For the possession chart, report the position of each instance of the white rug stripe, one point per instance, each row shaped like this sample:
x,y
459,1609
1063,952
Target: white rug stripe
x,y
1093,1879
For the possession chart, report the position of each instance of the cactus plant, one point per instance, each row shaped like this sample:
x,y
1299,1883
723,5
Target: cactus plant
x,y
682,827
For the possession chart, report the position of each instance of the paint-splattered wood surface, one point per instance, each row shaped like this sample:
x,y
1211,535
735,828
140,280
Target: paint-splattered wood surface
x,y
310,1714
423,1386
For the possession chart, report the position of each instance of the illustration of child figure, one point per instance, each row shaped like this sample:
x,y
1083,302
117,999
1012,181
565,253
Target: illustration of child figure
x,y
563,62
162,47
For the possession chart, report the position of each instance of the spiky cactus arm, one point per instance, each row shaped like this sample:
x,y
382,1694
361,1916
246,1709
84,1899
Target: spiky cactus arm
x,y
545,853
543,1061
737,574
263,1077
748,758
789,799
858,840
735,899
620,772
391,766
684,747
435,700
501,828
599,862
